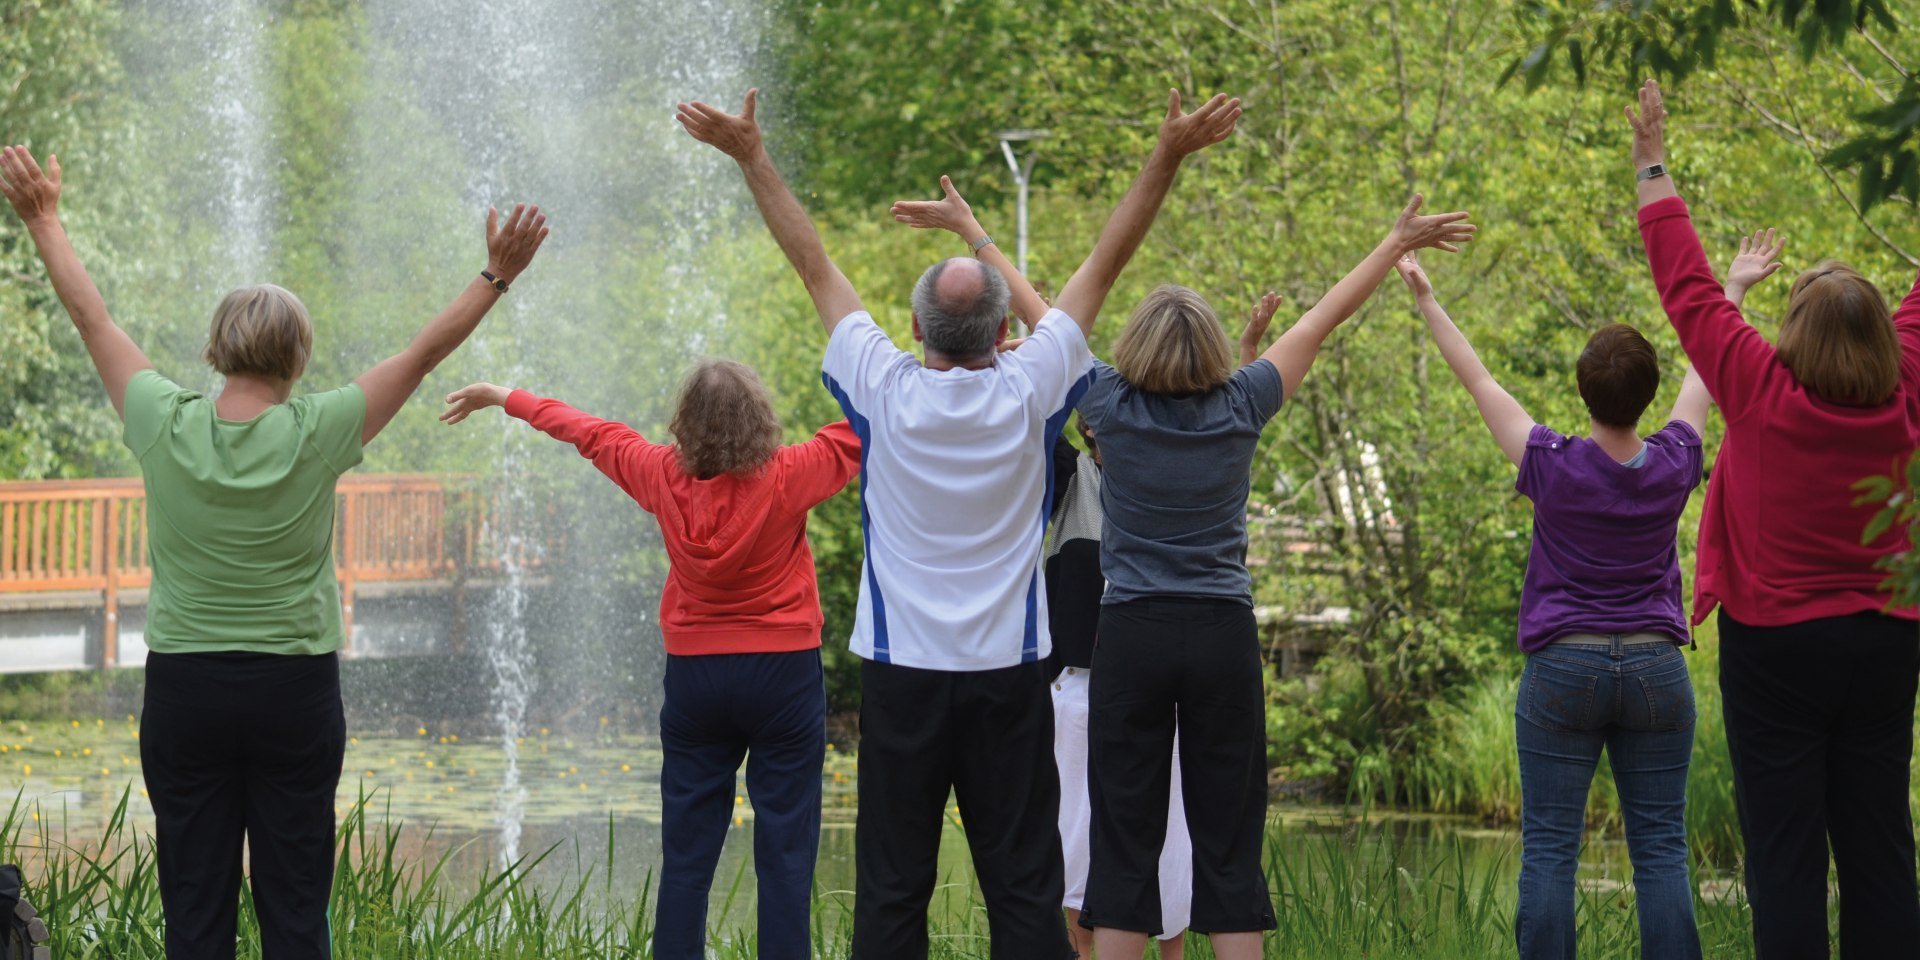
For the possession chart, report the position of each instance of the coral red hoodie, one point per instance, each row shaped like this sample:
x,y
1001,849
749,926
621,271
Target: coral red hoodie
x,y
741,579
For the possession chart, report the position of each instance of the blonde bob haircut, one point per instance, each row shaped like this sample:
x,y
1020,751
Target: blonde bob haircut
x,y
1838,338
262,330
1173,344
723,422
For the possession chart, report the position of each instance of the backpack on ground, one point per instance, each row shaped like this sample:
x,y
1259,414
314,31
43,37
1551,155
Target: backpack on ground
x,y
22,935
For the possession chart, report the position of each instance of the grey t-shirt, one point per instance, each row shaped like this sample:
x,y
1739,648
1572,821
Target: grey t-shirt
x,y
1175,482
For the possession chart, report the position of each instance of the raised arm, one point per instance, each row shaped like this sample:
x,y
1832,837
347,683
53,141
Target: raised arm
x,y
1732,357
1693,402
1756,261
388,384
738,136
1293,354
35,196
1505,418
1181,134
619,451
952,214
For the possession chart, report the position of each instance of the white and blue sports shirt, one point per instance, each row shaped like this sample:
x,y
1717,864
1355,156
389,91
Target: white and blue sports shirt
x,y
956,481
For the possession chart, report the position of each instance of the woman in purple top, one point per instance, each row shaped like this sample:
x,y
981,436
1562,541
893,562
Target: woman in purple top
x,y
1602,624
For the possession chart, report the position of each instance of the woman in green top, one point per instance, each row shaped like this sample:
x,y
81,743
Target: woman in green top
x,y
242,733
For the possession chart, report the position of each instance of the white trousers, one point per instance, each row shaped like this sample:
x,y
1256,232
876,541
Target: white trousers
x,y
1076,811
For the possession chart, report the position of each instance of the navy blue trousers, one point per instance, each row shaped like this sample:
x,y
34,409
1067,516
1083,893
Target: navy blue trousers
x,y
771,710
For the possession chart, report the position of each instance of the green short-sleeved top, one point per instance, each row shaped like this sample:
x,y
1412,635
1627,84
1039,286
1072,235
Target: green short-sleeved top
x,y
240,517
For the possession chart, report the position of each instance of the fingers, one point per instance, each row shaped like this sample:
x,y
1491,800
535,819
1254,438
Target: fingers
x,y
1448,247
946,186
1173,104
1413,207
10,164
493,224
28,164
53,168
753,94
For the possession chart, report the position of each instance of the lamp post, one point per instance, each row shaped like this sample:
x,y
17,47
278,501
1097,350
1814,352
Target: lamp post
x,y
1022,176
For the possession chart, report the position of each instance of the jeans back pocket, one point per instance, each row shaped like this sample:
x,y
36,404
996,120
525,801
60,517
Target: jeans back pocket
x,y
1665,697
1558,695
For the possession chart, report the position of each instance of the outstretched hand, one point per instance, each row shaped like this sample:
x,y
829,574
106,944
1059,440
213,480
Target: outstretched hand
x,y
1443,231
1415,275
737,136
1185,133
950,213
34,193
1649,127
511,246
1259,319
1757,260
478,396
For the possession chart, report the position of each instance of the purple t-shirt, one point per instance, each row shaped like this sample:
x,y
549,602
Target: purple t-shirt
x,y
1604,556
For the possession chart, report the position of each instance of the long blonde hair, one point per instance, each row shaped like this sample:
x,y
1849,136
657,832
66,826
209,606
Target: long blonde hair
x,y
723,421
1174,344
1838,337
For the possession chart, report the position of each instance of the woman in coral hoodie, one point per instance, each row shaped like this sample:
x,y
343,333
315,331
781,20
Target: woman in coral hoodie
x,y
1818,668
741,618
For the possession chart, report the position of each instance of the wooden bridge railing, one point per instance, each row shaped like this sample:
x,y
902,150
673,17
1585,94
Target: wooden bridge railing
x,y
90,536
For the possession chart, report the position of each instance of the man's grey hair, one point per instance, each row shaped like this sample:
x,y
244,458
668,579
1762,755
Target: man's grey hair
x,y
961,327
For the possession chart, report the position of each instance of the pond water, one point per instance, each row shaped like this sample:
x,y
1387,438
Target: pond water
x,y
584,793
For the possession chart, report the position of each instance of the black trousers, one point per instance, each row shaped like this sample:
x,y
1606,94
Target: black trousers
x,y
1819,722
243,746
1199,660
988,737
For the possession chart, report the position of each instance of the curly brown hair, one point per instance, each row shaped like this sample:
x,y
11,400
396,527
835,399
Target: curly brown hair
x,y
724,421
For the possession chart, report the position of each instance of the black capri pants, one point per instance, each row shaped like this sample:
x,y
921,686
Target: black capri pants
x,y
1198,659
243,746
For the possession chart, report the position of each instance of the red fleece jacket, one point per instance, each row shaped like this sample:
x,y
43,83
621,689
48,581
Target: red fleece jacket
x,y
1780,538
741,578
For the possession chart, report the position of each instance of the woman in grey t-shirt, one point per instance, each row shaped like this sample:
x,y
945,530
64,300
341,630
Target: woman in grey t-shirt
x,y
1179,426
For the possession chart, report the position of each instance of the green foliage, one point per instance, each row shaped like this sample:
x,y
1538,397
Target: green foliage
x,y
1677,40
58,72
1897,496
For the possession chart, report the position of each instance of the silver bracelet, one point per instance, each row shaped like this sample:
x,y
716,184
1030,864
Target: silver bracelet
x,y
983,241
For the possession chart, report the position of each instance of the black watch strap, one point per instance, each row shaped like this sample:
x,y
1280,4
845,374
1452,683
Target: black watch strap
x,y
1651,171
498,283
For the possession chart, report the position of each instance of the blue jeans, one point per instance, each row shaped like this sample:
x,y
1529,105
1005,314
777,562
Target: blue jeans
x,y
769,709
1636,701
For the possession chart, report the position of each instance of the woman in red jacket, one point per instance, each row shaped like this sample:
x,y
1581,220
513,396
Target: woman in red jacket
x,y
1818,670
740,615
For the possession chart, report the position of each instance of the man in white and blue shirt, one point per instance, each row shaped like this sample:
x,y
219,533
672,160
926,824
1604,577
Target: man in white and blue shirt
x,y
955,492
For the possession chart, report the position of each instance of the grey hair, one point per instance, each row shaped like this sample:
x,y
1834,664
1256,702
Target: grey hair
x,y
961,327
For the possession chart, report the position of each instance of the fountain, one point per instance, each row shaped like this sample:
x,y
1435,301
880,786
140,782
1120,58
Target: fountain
x,y
420,115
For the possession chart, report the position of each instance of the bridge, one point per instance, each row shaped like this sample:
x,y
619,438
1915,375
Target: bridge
x,y
74,571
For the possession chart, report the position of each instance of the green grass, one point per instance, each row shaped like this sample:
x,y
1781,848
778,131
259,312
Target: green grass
x,y
1336,895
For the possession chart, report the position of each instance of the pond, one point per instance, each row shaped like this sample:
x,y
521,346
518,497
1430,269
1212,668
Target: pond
x,y
592,811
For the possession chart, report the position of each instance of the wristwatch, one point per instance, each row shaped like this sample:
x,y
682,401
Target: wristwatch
x,y
982,242
499,283
1650,172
